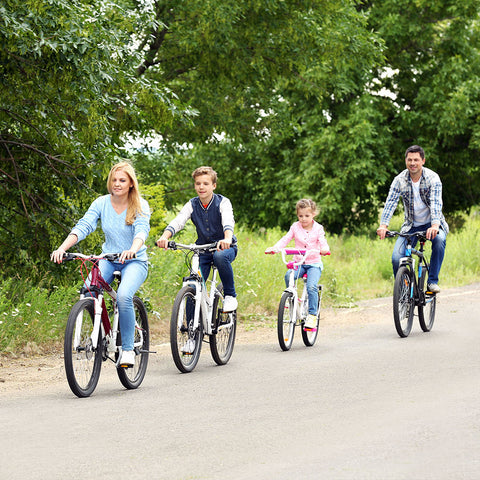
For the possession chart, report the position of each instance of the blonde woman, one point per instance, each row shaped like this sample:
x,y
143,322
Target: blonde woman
x,y
125,218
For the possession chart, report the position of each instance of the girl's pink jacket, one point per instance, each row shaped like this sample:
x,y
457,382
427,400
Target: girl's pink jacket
x,y
305,239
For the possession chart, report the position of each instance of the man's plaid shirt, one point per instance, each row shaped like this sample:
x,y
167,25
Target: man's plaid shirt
x,y
430,192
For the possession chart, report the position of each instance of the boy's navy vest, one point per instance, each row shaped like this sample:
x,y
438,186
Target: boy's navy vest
x,y
208,221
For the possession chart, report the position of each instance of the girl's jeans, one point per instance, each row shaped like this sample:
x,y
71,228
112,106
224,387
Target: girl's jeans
x,y
313,277
438,251
222,259
134,273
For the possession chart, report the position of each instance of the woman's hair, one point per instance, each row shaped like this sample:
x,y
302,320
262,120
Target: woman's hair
x,y
205,171
134,205
307,203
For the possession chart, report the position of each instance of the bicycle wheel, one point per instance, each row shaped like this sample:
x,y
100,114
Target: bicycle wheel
x,y
131,378
221,342
426,313
309,336
185,343
403,302
82,361
286,321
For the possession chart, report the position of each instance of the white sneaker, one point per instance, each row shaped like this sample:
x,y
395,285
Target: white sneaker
x,y
127,359
229,304
311,322
433,287
189,347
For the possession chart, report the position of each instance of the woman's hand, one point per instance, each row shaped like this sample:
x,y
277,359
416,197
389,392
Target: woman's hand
x,y
57,255
127,255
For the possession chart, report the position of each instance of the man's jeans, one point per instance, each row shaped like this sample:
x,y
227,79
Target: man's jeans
x,y
438,251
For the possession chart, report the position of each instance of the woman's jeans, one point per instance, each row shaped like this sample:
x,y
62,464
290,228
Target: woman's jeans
x,y
313,277
222,259
134,273
438,251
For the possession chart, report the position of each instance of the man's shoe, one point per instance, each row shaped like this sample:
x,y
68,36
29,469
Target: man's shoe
x,y
311,323
229,304
189,347
433,287
127,359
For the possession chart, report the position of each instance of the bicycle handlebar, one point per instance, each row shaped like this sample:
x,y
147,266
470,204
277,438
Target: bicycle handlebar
x,y
111,257
192,246
289,251
421,235
207,247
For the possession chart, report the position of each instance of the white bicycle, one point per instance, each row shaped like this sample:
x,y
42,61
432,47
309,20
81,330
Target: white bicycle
x,y
198,312
293,309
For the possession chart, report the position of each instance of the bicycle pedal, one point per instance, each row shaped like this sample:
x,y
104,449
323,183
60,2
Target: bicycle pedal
x,y
306,329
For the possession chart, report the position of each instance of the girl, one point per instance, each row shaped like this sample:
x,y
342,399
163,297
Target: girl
x,y
125,219
308,235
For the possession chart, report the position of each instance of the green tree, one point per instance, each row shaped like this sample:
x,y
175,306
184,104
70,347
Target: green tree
x,y
431,74
278,90
69,91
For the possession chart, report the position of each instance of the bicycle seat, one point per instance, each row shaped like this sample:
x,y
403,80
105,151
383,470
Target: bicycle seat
x,y
117,275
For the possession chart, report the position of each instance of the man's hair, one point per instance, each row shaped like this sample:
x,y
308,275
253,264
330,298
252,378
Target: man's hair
x,y
307,203
415,149
205,171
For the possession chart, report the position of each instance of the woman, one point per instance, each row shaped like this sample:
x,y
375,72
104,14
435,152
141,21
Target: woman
x,y
125,218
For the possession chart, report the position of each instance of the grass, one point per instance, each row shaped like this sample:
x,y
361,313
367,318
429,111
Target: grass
x,y
33,317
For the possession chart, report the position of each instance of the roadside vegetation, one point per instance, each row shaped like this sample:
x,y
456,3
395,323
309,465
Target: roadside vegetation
x,y
33,316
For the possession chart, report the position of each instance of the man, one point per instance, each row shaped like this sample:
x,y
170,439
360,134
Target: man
x,y
421,192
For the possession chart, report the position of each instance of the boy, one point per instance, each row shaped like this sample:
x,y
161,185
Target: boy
x,y
212,215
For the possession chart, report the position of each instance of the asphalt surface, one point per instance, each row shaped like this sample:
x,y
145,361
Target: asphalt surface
x,y
361,404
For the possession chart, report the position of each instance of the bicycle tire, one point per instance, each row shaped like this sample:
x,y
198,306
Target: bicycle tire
x,y
222,342
131,378
181,330
309,336
403,302
82,363
286,322
426,313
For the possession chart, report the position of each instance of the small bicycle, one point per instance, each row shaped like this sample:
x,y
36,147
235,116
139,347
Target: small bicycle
x,y
293,310
410,288
91,338
197,312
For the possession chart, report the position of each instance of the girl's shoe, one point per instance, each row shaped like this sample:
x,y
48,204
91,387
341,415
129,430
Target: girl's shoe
x,y
310,322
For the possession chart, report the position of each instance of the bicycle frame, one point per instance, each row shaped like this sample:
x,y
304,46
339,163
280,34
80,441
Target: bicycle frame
x,y
97,287
419,273
204,299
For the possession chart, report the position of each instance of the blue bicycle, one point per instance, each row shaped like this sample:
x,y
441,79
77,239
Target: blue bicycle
x,y
410,289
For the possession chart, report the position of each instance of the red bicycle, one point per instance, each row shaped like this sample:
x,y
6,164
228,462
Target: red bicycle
x,y
90,336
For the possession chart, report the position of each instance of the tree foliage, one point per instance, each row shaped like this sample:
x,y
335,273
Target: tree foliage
x,y
433,64
277,87
285,99
69,90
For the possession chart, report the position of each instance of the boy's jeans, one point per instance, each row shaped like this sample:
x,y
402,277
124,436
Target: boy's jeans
x,y
438,251
222,259
134,273
313,277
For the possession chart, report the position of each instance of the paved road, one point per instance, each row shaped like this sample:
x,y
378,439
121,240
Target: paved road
x,y
361,404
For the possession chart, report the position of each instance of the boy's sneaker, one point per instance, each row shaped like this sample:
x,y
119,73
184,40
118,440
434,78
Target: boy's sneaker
x,y
229,304
311,323
127,359
189,347
433,287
